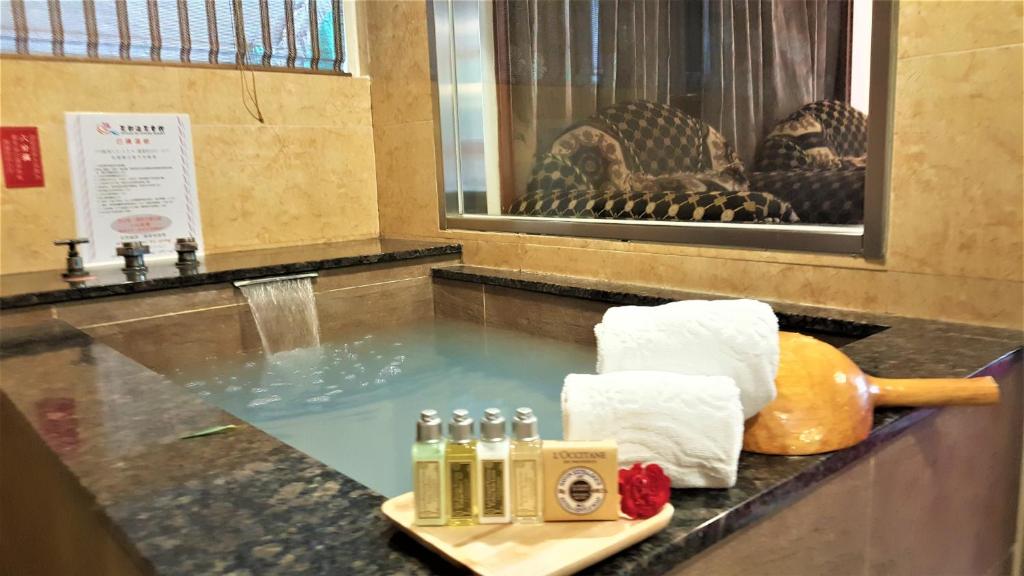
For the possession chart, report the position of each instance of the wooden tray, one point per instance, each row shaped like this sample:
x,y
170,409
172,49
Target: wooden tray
x,y
533,549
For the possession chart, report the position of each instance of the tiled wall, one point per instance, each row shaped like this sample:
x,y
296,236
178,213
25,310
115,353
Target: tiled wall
x,y
955,252
912,507
306,175
151,328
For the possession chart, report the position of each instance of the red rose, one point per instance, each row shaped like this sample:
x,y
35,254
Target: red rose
x,y
644,490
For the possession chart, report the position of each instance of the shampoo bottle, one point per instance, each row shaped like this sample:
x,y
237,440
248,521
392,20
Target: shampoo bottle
x,y
526,469
428,475
460,463
492,456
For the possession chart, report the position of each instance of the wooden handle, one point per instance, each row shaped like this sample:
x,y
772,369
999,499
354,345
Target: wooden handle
x,y
934,391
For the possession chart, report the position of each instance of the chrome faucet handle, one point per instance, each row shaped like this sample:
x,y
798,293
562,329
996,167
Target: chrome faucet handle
x,y
186,249
133,254
71,243
75,267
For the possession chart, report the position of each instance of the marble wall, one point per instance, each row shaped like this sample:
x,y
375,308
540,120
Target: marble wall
x,y
955,252
306,175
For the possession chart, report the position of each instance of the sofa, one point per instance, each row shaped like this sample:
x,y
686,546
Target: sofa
x,y
815,160
640,160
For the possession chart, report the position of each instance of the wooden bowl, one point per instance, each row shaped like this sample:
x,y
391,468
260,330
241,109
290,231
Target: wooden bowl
x,y
824,402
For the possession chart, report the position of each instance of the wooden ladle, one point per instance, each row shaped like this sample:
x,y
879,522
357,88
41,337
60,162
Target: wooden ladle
x,y
824,402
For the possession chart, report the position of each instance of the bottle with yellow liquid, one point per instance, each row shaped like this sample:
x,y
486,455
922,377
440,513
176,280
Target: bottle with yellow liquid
x,y
461,462
526,453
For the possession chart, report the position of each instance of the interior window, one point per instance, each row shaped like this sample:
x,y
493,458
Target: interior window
x,y
661,111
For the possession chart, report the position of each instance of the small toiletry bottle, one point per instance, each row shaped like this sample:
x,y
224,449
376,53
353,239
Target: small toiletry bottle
x,y
527,469
492,455
460,462
428,486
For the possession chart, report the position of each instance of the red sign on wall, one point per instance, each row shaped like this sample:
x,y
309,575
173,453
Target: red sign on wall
x,y
23,163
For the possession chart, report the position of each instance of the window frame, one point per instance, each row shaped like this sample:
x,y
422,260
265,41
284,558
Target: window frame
x,y
867,240
354,41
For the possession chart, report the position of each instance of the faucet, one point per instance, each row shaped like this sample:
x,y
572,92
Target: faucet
x,y
134,256
75,268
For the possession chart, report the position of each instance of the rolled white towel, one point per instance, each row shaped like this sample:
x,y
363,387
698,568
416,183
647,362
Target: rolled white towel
x,y
735,338
691,426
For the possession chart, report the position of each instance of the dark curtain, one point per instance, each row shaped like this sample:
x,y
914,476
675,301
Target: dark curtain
x,y
567,59
766,60
740,65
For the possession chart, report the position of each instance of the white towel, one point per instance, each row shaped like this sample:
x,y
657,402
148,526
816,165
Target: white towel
x,y
734,338
691,426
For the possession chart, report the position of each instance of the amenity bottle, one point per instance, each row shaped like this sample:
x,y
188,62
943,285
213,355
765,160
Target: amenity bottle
x,y
527,470
428,474
492,458
460,463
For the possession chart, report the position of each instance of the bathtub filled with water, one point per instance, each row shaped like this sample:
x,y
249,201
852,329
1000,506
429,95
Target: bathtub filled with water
x,y
352,402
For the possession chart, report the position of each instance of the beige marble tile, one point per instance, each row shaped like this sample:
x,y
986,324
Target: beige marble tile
x,y
956,198
406,179
41,91
600,264
991,302
559,317
957,299
345,278
25,316
399,61
945,492
354,311
215,96
937,26
32,218
824,532
493,254
306,176
137,306
161,343
284,185
459,300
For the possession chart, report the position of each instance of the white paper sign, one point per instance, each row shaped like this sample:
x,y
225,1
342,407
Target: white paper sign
x,y
133,177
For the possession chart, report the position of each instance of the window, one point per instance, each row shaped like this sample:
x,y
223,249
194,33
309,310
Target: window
x,y
300,34
718,122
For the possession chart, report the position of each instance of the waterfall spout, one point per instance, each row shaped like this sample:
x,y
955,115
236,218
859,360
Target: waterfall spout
x,y
284,309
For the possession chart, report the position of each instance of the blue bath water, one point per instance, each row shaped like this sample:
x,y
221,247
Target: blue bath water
x,y
352,403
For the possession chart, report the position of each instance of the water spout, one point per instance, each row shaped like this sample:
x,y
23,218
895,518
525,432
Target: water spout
x,y
284,309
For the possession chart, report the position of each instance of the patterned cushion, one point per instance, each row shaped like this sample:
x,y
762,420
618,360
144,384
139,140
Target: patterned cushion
x,y
820,136
658,138
658,200
819,196
640,160
596,154
555,174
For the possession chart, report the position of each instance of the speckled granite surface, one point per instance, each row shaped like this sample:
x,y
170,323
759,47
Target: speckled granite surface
x,y
32,288
245,503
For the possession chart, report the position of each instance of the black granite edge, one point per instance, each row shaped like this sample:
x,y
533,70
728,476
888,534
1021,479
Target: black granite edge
x,y
762,505
107,522
678,543
222,276
662,556
55,335
787,320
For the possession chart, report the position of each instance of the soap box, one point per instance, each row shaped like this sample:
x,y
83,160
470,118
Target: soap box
x,y
581,481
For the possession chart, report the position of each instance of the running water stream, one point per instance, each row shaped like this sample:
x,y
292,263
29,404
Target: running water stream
x,y
285,313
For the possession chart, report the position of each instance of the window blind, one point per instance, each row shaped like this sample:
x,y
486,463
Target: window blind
x,y
305,34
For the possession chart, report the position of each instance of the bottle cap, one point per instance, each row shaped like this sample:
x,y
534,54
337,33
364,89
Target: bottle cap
x,y
428,427
460,428
525,425
492,427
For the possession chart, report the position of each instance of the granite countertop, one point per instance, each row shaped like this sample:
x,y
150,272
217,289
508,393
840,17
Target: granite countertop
x,y
48,287
245,503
